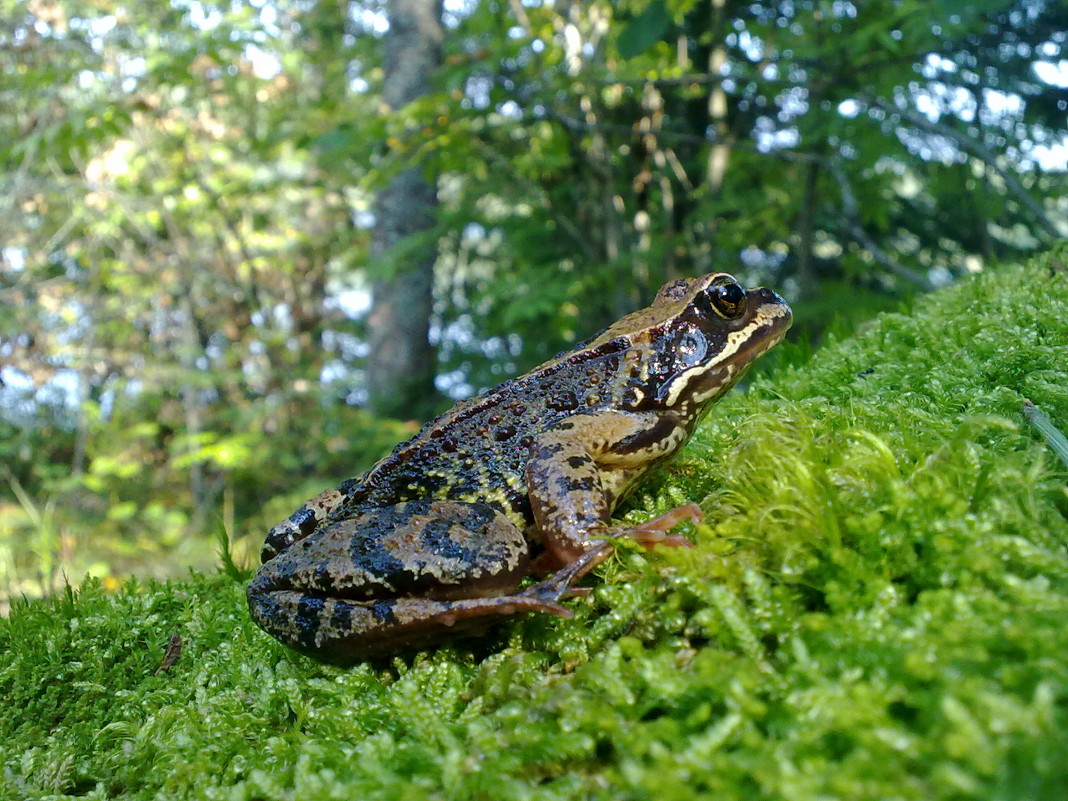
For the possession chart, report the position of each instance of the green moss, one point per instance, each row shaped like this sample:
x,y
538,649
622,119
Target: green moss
x,y
875,608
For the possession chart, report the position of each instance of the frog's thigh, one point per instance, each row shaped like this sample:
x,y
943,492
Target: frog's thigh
x,y
578,468
430,549
393,577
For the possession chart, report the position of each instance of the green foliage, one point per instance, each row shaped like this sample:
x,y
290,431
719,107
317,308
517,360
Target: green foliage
x,y
644,30
874,609
131,508
168,237
565,153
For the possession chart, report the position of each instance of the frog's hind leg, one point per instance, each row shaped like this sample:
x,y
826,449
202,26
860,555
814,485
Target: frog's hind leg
x,y
397,577
344,632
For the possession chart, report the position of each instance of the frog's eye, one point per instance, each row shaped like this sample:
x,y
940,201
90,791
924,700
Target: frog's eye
x,y
726,300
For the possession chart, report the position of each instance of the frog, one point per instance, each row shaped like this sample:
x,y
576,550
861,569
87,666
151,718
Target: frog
x,y
518,483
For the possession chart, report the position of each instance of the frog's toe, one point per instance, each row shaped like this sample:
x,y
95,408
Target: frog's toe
x,y
550,592
651,539
655,532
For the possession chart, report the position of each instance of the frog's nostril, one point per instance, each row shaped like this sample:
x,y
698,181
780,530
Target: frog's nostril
x,y
768,295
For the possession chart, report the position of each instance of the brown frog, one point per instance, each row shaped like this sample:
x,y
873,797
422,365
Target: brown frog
x,y
439,534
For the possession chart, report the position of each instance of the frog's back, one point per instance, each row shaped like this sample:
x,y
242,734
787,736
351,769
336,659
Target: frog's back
x,y
478,450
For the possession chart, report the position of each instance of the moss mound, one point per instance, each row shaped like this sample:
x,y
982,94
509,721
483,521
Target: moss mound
x,y
875,609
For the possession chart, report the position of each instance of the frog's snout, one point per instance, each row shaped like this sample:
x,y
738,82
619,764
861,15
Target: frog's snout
x,y
769,304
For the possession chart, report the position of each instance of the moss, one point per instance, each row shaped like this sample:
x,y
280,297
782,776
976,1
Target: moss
x,y
874,609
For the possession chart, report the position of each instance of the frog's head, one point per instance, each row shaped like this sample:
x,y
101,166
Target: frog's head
x,y
696,340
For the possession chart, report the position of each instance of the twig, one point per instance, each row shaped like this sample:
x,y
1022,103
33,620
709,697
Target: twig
x,y
852,213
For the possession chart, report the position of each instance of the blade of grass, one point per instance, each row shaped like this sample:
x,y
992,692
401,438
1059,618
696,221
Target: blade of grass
x,y
1053,436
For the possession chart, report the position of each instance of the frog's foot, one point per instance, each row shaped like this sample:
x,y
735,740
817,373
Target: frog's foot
x,y
560,585
648,534
654,532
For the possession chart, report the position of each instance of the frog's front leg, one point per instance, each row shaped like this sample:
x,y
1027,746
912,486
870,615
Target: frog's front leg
x,y
578,470
396,577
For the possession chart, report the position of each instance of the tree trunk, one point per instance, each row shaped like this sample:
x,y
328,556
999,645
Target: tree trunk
x,y
720,152
806,231
401,367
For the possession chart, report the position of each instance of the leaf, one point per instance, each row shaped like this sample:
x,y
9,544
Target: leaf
x,y
644,30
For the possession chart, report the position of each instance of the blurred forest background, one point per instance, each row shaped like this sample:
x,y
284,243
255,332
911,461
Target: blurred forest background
x,y
211,211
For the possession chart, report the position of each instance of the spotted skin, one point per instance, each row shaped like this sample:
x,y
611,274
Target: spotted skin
x,y
437,537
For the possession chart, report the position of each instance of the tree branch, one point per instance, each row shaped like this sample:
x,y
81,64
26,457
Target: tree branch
x,y
856,230
979,151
